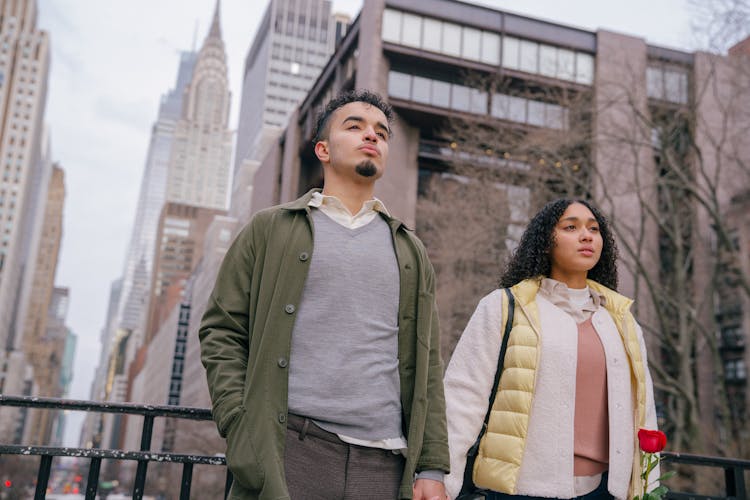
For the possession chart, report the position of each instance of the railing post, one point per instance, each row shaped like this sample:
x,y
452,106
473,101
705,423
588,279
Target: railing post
x,y
734,478
140,474
187,478
42,478
92,483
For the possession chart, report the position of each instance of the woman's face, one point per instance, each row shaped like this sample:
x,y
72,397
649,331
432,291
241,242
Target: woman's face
x,y
577,246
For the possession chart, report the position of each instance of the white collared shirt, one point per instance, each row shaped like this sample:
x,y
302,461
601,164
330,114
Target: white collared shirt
x,y
335,209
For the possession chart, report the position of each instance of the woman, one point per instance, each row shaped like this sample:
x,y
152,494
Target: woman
x,y
575,386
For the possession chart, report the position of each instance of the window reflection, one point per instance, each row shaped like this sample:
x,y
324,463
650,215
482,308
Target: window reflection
x,y
511,48
441,93
432,35
391,26
461,97
584,68
490,48
471,43
399,85
411,34
529,55
452,39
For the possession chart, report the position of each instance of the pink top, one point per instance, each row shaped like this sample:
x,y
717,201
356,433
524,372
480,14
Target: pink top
x,y
591,441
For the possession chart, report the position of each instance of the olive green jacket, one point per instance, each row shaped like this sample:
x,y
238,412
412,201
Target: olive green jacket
x,y
245,337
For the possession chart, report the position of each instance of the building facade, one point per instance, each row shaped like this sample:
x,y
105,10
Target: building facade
x,y
632,126
24,68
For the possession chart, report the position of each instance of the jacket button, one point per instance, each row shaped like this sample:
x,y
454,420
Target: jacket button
x,y
407,266
304,256
283,362
289,308
282,418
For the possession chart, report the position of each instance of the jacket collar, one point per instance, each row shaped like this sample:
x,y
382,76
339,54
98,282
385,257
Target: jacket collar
x,y
525,292
302,202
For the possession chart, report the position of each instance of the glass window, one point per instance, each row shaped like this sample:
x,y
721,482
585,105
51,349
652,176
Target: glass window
x,y
432,34
511,47
452,39
490,48
555,116
672,86
517,109
584,68
655,82
529,56
478,101
399,85
548,60
566,63
461,97
472,41
411,33
500,106
675,86
441,94
683,88
421,89
392,26
536,113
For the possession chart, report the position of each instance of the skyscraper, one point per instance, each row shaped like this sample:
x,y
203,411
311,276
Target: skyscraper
x,y
198,171
291,47
133,294
24,66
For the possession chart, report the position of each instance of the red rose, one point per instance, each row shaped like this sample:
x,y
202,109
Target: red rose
x,y
652,441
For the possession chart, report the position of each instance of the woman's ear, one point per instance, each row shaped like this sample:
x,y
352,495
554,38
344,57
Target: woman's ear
x,y
321,151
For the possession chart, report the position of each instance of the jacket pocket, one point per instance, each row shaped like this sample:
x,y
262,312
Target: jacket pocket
x,y
242,458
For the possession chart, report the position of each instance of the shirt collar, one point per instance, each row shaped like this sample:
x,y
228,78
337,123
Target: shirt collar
x,y
554,288
374,204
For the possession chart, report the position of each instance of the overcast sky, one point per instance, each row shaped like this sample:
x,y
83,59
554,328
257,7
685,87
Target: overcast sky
x,y
111,62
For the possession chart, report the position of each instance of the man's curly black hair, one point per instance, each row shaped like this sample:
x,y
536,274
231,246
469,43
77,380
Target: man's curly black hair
x,y
366,96
532,257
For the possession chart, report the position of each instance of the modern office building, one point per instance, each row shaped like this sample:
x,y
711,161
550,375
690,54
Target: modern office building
x,y
531,109
291,46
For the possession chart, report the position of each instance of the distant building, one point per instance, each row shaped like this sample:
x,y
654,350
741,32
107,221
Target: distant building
x,y
24,68
199,163
290,48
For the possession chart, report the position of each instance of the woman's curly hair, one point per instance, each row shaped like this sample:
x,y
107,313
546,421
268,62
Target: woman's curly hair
x,y
532,257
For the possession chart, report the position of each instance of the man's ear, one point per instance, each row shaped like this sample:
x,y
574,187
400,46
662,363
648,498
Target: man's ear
x,y
321,151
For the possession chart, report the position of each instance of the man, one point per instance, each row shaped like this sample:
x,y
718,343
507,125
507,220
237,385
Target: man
x,y
320,339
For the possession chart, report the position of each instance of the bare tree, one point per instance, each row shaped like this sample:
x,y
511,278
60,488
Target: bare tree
x,y
680,162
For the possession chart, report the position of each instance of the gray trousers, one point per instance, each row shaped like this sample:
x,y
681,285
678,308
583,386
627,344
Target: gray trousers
x,y
320,466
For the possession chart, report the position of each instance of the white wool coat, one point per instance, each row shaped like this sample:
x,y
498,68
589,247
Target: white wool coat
x,y
547,463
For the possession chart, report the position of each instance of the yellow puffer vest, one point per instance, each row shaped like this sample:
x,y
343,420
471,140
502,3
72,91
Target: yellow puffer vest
x,y
502,447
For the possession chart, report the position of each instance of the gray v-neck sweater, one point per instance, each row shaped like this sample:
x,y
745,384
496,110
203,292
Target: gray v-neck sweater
x,y
343,369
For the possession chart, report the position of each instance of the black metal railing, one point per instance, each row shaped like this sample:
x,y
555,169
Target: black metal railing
x,y
734,469
734,475
96,455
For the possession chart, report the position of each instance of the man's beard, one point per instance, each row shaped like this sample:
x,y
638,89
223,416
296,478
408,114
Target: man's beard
x,y
366,169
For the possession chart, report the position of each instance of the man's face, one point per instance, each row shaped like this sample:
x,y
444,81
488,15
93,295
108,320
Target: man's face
x,y
356,148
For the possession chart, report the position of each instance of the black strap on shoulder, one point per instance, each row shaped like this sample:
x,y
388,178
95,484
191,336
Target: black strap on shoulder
x,y
500,358
472,453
